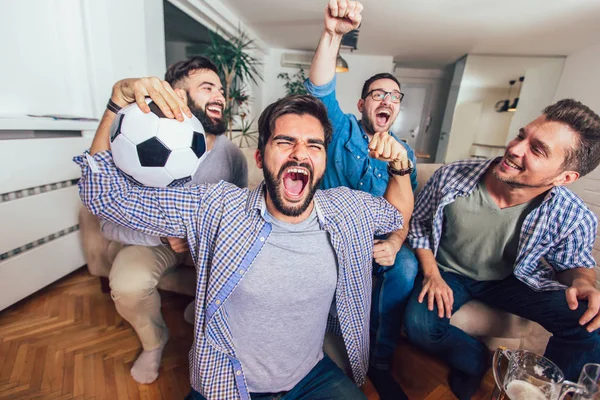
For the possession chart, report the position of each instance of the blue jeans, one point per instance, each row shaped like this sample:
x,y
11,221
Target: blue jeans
x,y
392,286
570,347
325,381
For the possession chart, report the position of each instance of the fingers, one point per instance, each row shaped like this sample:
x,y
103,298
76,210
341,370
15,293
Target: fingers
x,y
342,6
382,246
347,10
384,147
351,10
447,305
430,299
595,324
424,290
178,245
177,105
139,94
592,310
440,304
384,261
160,96
439,295
333,8
357,12
571,294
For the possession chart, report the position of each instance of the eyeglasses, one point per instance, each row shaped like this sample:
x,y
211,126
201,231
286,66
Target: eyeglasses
x,y
379,95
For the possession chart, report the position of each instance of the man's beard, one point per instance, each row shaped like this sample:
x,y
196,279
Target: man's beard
x,y
214,127
515,184
274,184
368,125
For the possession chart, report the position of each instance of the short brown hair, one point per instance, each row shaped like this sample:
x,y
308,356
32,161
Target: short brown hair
x,y
181,69
585,157
299,104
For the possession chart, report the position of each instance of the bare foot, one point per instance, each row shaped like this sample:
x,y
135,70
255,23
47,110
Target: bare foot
x,y
145,368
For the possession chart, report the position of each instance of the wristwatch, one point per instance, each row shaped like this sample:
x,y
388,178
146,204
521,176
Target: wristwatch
x,y
393,171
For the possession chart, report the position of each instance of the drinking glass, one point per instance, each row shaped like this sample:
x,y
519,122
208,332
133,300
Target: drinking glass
x,y
590,380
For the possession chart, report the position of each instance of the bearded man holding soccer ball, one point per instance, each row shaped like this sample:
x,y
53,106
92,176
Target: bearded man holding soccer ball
x,y
194,88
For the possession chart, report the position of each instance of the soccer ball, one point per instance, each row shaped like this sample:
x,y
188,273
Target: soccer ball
x,y
153,150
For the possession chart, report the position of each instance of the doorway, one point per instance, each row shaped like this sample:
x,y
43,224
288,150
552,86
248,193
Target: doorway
x,y
411,120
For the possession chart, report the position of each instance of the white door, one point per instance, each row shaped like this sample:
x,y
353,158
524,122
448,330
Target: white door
x,y
459,68
409,122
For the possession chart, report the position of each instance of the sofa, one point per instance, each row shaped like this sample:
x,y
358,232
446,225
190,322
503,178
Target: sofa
x,y
492,326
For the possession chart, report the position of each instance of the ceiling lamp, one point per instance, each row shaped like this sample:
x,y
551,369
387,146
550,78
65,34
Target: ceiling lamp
x,y
340,64
513,106
502,105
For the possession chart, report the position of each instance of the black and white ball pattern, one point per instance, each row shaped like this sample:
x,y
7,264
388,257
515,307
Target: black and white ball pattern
x,y
153,150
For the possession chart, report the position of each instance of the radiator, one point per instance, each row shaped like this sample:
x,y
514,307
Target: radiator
x,y
39,203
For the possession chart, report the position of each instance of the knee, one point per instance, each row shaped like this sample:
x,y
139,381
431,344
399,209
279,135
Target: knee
x,y
405,270
131,272
422,326
407,262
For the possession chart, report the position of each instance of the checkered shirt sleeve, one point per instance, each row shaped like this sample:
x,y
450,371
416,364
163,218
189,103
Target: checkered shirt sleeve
x,y
106,192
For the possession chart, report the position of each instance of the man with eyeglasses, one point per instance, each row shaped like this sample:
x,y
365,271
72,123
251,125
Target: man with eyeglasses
x,y
349,164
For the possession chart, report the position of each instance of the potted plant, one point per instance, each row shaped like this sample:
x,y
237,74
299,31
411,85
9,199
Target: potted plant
x,y
237,68
294,84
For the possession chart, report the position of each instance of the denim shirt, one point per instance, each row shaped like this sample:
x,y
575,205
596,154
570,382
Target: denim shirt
x,y
348,161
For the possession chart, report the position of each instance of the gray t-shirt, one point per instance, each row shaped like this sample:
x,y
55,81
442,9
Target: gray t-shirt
x,y
224,162
479,239
278,313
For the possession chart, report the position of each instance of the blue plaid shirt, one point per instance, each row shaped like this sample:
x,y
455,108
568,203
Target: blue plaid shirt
x,y
226,231
556,236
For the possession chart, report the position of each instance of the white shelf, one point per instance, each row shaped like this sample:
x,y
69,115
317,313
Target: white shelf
x,y
45,124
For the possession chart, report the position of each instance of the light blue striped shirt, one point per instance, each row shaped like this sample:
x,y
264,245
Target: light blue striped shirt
x,y
225,232
556,236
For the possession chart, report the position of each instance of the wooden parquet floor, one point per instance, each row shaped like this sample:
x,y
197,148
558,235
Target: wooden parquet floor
x,y
68,342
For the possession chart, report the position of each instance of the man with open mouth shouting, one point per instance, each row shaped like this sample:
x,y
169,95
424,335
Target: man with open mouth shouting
x,y
276,266
394,264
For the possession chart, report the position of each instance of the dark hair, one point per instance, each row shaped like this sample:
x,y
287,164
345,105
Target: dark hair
x,y
376,77
181,69
298,104
585,157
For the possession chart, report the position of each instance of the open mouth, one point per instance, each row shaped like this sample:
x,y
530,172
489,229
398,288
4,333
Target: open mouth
x,y
382,117
510,164
214,111
295,180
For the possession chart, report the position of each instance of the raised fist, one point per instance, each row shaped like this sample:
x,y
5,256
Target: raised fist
x,y
342,16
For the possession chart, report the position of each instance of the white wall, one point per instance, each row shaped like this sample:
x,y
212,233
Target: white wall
x,y
349,84
438,80
43,68
537,92
66,54
124,44
477,124
485,81
581,80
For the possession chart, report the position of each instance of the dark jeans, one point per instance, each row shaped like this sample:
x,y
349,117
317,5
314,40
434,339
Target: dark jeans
x,y
570,347
325,381
392,287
